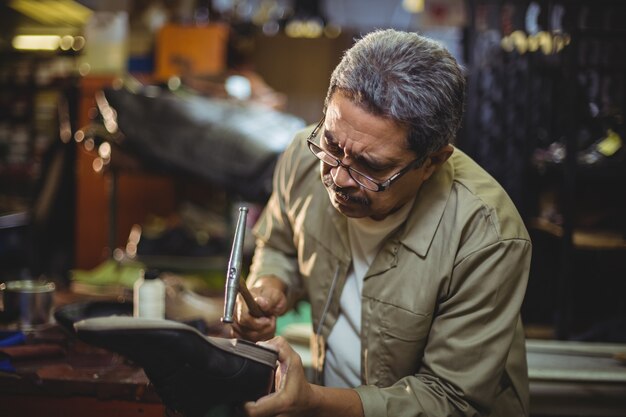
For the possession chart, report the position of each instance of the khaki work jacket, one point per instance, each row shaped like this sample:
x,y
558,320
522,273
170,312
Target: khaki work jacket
x,y
440,332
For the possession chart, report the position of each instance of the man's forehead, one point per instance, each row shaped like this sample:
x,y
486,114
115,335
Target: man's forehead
x,y
378,144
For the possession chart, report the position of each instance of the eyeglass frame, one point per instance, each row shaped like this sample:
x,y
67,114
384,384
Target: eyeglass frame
x,y
382,186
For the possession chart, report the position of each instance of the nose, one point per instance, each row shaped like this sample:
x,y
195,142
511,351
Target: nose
x,y
341,177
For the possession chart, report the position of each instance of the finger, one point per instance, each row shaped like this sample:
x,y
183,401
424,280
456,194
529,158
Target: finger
x,y
280,345
256,323
268,405
243,315
251,336
255,332
266,302
272,300
247,334
252,409
278,402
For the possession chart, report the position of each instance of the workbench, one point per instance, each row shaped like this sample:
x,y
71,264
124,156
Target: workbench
x,y
69,378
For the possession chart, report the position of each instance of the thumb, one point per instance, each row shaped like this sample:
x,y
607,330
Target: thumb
x,y
277,301
263,302
268,305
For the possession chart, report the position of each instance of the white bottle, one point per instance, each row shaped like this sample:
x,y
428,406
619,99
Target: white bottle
x,y
149,296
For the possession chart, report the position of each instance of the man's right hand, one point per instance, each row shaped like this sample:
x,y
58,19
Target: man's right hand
x,y
269,293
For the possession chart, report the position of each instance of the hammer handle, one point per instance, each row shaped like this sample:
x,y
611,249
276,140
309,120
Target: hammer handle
x,y
253,307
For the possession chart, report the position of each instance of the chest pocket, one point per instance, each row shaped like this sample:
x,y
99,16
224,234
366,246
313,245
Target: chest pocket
x,y
396,340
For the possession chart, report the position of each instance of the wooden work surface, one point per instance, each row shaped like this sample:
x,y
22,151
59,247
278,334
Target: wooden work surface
x,y
58,375
66,377
69,378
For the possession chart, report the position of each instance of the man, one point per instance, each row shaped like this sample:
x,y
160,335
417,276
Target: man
x,y
414,259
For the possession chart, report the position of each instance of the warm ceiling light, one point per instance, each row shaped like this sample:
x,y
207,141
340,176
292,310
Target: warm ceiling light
x,y
53,12
413,6
37,42
66,42
78,43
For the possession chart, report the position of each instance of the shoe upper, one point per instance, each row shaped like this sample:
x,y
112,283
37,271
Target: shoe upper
x,y
190,372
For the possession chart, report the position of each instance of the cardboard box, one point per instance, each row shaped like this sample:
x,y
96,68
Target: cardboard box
x,y
191,50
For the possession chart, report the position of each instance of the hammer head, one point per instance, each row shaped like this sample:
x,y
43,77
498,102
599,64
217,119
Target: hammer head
x,y
234,267
230,296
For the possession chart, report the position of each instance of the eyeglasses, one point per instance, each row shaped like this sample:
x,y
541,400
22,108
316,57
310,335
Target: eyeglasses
x,y
363,180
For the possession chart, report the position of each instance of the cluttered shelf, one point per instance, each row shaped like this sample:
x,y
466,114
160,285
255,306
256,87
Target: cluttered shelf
x,y
178,140
591,239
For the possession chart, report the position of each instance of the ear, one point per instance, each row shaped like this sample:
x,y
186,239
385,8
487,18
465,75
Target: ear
x,y
436,159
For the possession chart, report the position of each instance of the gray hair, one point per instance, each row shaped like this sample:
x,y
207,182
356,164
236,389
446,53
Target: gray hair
x,y
407,78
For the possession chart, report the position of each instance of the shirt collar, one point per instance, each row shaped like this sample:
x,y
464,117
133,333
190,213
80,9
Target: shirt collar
x,y
428,210
422,222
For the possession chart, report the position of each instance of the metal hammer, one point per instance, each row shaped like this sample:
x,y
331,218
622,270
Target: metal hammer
x,y
234,283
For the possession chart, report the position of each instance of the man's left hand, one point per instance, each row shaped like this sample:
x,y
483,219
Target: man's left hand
x,y
295,396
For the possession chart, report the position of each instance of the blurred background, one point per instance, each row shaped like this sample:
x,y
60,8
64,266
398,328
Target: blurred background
x,y
130,132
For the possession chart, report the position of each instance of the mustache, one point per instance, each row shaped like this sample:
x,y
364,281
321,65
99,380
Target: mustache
x,y
342,192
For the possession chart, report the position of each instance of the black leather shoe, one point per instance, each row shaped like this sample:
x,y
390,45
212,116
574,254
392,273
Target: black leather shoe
x,y
191,372
69,314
